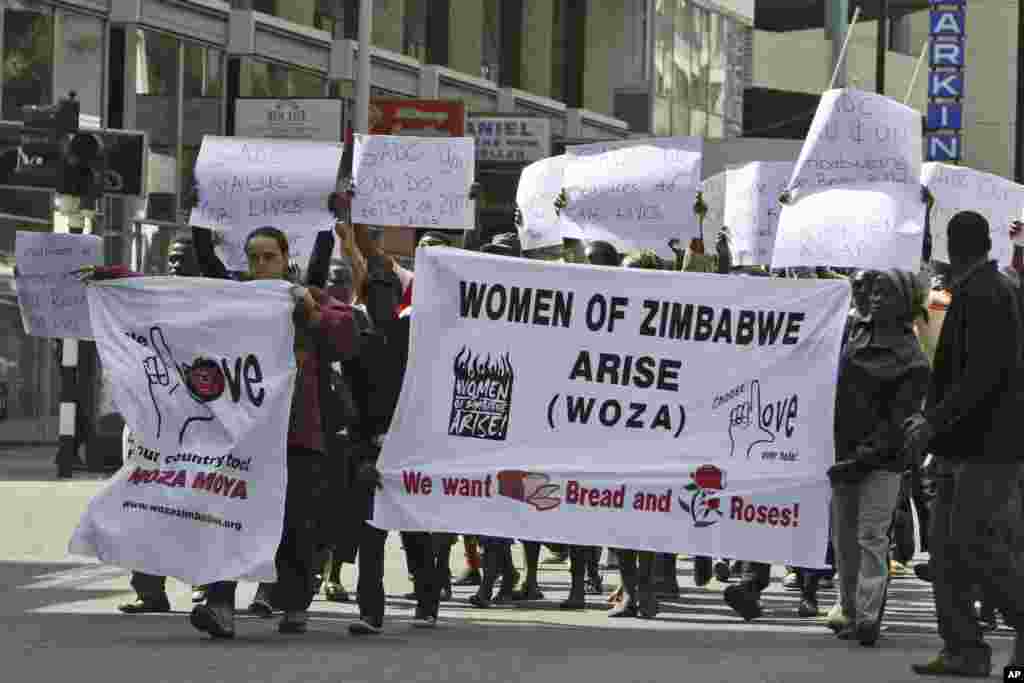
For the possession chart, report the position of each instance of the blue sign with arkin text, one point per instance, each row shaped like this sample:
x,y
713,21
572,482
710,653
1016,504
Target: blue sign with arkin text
x,y
944,147
945,116
949,84
947,23
947,53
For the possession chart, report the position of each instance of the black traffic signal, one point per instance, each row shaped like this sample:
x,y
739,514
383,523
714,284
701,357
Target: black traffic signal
x,y
83,168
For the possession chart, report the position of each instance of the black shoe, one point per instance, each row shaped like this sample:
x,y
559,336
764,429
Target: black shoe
x,y
807,608
506,597
409,596
142,605
625,608
479,601
867,633
219,622
335,592
293,622
471,577
529,593
647,607
593,586
722,572
923,572
366,627
848,632
744,601
261,607
424,621
199,594
946,664
574,602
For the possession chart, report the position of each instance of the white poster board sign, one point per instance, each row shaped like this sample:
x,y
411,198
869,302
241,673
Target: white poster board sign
x,y
413,182
713,190
957,189
635,194
539,185
207,391
231,249
673,412
848,228
752,209
858,140
247,183
51,299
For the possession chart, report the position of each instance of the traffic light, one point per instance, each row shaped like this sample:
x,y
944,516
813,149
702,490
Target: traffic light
x,y
83,168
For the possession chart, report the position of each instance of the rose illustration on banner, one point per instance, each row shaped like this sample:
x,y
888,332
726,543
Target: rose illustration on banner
x,y
707,483
529,487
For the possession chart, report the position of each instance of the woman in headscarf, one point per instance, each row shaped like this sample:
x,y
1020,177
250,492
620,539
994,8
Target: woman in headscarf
x,y
883,377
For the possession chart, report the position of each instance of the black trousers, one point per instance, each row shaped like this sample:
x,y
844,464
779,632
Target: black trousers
x,y
975,540
293,591
428,561
149,585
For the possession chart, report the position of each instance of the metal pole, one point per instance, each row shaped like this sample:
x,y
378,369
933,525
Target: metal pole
x,y
917,70
363,74
840,60
839,12
68,209
883,45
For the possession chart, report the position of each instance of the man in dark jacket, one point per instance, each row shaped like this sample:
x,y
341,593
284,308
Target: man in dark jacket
x,y
970,424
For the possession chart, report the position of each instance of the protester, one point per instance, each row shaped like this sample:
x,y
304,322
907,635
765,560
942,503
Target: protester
x,y
151,591
969,424
883,376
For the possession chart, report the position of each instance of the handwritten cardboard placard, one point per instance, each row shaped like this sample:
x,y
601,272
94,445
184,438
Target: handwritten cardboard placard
x,y
247,183
539,186
413,182
752,209
858,140
635,194
957,189
53,301
872,227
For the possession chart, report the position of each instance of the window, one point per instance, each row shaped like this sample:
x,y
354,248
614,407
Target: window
x,y
203,90
490,67
28,59
80,59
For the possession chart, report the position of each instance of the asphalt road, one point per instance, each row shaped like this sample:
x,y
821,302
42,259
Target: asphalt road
x,y
60,622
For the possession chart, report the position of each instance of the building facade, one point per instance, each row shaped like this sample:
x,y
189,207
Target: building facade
x,y
592,69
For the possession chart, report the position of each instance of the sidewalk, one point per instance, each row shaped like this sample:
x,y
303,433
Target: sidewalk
x,y
35,463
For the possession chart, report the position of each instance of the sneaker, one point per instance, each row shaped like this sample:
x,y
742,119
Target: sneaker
x,y
335,592
867,633
424,620
836,619
791,581
199,594
946,664
366,627
293,622
260,606
148,605
218,621
807,608
744,601
471,577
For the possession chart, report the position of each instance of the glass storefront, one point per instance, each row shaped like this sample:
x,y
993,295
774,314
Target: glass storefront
x,y
698,70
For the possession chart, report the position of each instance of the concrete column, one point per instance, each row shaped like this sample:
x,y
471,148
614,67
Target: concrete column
x,y
302,12
387,24
465,37
604,26
535,60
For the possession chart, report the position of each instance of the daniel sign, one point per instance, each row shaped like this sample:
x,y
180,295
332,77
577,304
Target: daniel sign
x,y
516,139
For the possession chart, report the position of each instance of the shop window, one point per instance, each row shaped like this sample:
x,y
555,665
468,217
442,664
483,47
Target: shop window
x,y
340,18
28,58
203,90
490,66
79,60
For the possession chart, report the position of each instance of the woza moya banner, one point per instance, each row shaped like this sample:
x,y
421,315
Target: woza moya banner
x,y
675,412
203,372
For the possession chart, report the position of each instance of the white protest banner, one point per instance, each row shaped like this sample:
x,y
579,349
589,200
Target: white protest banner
x,y
698,423
246,183
858,140
635,194
203,371
51,299
752,209
849,228
539,185
957,189
413,182
713,192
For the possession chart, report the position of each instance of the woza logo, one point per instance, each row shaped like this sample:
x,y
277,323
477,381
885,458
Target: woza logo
x,y
705,489
531,488
481,397
753,423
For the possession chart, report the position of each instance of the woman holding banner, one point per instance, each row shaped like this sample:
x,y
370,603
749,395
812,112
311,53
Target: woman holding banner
x,y
883,377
